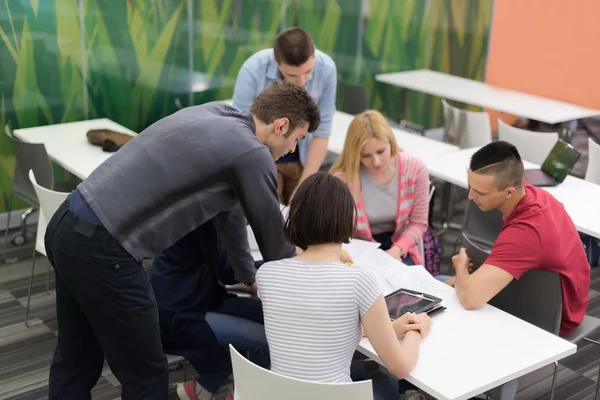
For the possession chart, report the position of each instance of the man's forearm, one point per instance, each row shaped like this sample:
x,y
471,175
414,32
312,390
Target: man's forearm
x,y
315,156
461,284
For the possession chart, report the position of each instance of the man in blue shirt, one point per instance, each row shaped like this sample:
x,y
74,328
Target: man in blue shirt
x,y
295,59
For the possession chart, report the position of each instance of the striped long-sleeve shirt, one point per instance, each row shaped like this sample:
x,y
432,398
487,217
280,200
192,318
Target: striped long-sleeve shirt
x,y
412,210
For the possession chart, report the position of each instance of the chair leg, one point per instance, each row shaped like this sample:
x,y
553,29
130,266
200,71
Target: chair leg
x,y
27,324
10,203
554,380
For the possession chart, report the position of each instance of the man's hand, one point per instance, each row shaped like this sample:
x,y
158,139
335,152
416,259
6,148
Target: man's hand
x,y
461,261
254,288
396,252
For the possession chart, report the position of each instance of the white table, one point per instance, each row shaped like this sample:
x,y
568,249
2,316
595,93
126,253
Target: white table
x,y
470,352
417,145
580,197
67,144
481,94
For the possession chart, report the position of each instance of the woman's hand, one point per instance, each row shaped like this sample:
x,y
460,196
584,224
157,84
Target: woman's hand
x,y
396,252
413,322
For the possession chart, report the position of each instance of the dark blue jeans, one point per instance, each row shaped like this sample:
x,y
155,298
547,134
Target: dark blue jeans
x,y
105,308
385,239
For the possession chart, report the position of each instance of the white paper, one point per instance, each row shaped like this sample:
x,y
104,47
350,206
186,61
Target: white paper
x,y
360,249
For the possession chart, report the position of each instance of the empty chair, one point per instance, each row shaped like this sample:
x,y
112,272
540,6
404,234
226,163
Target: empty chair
x,y
593,168
29,156
482,227
533,146
466,128
253,382
49,201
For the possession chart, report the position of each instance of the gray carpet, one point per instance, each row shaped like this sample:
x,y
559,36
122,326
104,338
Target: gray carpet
x,y
25,353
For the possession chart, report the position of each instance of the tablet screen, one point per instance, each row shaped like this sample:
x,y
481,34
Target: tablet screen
x,y
403,302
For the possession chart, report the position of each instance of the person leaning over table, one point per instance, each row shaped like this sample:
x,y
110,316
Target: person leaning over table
x,y
295,59
537,234
390,187
208,164
314,306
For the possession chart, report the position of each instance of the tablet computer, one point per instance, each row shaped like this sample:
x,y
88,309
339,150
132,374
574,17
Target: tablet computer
x,y
405,300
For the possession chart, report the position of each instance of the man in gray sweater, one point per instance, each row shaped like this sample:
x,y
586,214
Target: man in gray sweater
x,y
204,164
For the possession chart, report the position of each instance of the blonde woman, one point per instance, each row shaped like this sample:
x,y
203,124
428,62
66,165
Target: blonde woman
x,y
390,187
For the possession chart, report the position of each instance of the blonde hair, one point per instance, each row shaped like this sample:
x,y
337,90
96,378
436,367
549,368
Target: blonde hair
x,y
365,126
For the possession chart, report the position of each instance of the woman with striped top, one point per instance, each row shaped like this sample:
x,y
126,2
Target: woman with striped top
x,y
315,307
390,187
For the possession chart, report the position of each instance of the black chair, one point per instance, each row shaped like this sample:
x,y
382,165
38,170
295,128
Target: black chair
x,y
353,99
537,298
482,227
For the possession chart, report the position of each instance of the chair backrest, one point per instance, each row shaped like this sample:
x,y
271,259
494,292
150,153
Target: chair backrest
x,y
476,252
593,168
535,298
533,146
49,203
482,226
9,131
253,382
353,98
31,156
466,128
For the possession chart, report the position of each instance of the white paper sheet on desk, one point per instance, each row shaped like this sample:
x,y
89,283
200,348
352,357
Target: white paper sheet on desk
x,y
393,274
359,249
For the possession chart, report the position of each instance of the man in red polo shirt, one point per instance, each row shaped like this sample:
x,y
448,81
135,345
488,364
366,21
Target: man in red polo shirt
x,y
537,234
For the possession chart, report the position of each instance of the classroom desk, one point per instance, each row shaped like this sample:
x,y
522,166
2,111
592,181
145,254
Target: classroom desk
x,y
482,94
470,352
579,196
67,144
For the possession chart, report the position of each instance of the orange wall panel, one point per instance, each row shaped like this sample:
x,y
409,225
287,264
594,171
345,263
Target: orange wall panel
x,y
550,48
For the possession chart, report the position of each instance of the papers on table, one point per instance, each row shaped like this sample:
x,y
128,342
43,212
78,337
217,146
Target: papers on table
x,y
393,274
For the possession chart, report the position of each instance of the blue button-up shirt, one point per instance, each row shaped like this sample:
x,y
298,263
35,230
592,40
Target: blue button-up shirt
x,y
260,70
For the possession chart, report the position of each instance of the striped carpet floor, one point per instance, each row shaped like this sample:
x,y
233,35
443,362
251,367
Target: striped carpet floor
x,y
25,353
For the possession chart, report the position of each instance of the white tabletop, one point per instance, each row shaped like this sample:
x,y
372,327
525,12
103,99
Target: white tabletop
x,y
580,197
481,94
469,352
68,146
412,143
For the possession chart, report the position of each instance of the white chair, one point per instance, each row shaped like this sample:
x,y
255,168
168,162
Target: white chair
x,y
253,382
49,202
533,146
466,128
593,168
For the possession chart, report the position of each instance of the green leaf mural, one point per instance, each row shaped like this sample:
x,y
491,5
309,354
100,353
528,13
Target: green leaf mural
x,y
134,63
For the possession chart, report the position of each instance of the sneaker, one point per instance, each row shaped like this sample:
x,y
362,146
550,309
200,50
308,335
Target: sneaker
x,y
192,391
414,395
186,390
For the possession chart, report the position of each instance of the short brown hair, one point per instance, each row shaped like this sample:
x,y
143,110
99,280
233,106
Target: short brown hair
x,y
293,46
321,212
285,100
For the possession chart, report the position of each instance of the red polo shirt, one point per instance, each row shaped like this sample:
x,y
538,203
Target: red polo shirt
x,y
539,234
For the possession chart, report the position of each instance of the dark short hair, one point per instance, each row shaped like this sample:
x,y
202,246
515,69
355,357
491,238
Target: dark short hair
x,y
285,100
293,46
321,212
500,159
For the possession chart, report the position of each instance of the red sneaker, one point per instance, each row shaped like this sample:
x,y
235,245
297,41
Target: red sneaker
x,y
185,390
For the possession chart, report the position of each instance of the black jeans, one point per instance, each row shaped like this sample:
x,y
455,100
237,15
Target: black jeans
x,y
105,308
